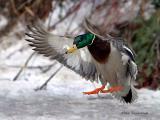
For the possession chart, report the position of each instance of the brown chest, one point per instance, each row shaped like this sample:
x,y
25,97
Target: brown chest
x,y
100,50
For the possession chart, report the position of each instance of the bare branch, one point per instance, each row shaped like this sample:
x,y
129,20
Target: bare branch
x,y
44,85
22,68
70,12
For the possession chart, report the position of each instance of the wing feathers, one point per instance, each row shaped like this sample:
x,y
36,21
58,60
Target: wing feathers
x,y
54,46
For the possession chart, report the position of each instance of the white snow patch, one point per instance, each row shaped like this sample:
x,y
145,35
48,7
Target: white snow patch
x,y
3,21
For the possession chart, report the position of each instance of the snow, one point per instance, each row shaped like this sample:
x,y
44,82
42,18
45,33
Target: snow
x,y
63,98
3,21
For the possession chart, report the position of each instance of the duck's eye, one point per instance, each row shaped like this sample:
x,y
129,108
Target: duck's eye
x,y
77,40
80,40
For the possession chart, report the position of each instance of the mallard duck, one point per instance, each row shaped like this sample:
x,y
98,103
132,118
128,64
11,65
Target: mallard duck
x,y
92,56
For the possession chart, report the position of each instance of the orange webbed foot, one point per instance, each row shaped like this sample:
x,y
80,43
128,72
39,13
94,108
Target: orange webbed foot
x,y
112,89
96,91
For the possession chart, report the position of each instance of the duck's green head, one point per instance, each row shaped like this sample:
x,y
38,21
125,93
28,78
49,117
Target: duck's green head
x,y
84,40
81,41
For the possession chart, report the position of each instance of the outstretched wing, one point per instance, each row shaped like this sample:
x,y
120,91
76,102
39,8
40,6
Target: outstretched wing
x,y
90,27
118,42
54,47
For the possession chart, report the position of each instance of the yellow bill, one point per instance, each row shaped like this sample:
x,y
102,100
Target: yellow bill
x,y
71,49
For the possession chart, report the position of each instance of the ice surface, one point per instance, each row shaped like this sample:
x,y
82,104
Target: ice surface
x,y
63,99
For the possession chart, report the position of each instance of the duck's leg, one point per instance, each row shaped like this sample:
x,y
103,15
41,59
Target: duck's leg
x,y
112,89
96,91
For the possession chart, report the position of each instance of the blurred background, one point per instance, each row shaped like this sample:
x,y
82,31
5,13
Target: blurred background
x,y
137,21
